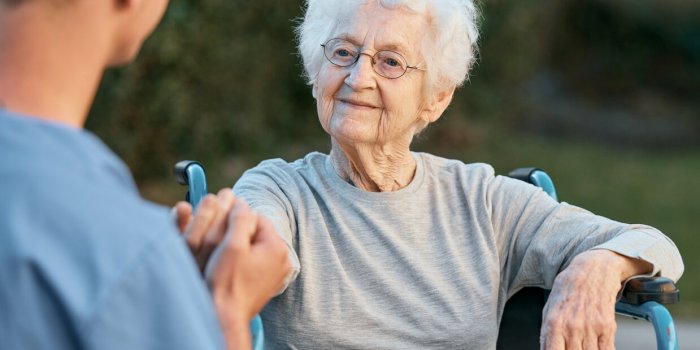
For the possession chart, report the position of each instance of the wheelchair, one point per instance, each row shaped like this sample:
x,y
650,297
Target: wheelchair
x,y
642,298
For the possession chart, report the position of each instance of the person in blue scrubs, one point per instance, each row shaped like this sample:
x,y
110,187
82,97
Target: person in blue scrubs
x,y
85,262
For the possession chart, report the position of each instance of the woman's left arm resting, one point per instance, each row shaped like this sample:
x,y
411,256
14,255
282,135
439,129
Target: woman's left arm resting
x,y
580,310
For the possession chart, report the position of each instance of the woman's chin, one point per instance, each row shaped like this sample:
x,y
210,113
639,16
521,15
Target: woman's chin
x,y
354,129
351,136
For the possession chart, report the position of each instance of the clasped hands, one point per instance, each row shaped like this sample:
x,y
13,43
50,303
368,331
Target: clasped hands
x,y
243,259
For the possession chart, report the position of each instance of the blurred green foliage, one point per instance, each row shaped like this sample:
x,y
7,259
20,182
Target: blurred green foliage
x,y
601,93
217,78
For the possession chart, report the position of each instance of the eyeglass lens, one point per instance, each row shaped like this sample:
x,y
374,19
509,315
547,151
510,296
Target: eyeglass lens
x,y
386,63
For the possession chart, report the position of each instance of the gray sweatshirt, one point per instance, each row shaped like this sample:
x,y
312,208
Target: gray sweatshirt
x,y
427,267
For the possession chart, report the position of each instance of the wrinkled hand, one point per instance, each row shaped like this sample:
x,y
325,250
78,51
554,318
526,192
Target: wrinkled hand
x,y
580,311
245,271
205,230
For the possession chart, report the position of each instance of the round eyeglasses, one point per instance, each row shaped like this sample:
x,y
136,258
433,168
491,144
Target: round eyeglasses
x,y
389,64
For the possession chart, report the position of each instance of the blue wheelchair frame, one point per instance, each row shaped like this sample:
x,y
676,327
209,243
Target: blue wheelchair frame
x,y
642,297
191,174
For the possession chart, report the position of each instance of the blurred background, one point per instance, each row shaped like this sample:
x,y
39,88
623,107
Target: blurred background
x,y
603,94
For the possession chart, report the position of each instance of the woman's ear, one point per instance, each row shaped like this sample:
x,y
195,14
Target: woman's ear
x,y
314,90
437,105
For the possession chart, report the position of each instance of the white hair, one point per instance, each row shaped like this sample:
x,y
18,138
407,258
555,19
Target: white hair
x,y
449,48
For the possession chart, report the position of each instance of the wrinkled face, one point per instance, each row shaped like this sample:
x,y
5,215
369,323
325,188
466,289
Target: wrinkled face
x,y
357,105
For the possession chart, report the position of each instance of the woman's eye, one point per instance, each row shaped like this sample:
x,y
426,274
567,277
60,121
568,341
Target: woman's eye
x,y
342,53
392,62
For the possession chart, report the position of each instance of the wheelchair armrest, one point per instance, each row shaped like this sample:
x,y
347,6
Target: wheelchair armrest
x,y
642,289
643,297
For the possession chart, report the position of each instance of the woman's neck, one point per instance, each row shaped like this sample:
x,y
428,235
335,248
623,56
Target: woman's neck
x,y
374,168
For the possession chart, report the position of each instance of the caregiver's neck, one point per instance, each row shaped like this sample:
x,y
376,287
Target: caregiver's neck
x,y
48,68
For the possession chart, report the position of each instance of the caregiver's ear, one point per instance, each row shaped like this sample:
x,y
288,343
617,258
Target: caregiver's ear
x,y
123,3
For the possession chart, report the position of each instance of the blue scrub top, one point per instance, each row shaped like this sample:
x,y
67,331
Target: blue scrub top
x,y
85,263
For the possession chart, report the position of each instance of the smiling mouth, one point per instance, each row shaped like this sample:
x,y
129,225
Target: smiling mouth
x,y
357,104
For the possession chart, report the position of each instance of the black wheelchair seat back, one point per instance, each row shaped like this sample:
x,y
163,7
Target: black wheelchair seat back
x,y
522,320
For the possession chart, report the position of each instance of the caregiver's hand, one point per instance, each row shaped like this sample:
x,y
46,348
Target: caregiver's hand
x,y
580,311
205,230
246,261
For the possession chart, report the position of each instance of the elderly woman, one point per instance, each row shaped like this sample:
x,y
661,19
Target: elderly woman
x,y
394,249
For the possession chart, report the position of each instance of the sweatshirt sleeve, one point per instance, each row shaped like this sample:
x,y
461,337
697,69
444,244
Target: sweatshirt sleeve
x,y
539,237
263,188
650,245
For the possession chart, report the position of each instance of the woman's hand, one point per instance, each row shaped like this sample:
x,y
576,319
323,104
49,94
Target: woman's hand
x,y
580,311
245,271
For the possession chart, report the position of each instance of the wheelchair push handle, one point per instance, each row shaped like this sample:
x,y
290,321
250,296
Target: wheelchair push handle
x,y
191,173
180,170
537,177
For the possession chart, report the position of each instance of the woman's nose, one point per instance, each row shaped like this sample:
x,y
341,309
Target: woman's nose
x,y
361,75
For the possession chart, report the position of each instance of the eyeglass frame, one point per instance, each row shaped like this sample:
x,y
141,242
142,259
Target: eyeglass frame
x,y
372,59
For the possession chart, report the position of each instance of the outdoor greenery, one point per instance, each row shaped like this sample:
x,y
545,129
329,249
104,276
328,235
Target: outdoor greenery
x,y
600,93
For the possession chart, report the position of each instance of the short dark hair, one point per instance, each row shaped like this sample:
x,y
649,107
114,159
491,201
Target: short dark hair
x,y
11,2
15,3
